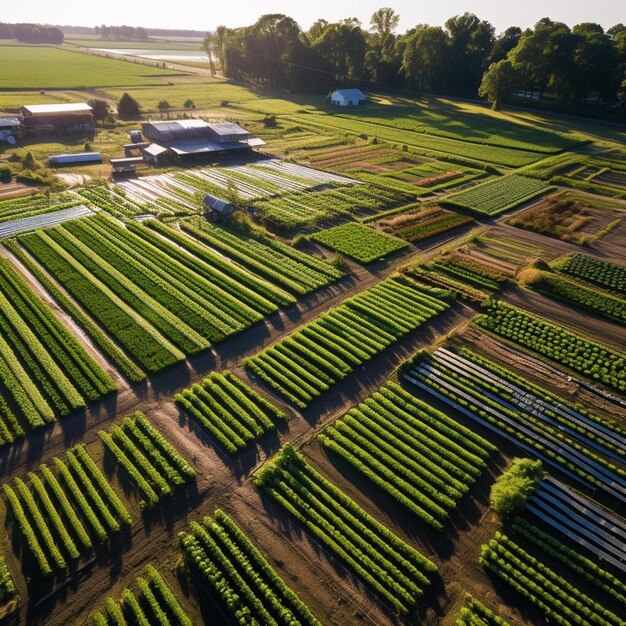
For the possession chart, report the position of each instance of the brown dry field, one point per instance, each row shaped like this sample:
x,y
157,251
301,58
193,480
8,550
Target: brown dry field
x,y
334,594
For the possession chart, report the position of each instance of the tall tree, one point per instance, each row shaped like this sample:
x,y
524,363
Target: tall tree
x,y
425,58
384,22
498,83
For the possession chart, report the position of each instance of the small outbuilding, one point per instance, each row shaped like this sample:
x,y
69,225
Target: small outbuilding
x,y
347,97
219,210
52,119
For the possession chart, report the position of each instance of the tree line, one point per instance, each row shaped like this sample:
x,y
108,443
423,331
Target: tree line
x,y
31,33
461,58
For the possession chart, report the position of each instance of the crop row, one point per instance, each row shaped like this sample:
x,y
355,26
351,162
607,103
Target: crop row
x,y
154,466
418,455
577,448
475,613
108,347
60,516
7,586
151,351
556,343
229,410
359,242
111,202
597,271
558,599
154,603
223,557
308,361
308,208
440,223
283,265
392,568
459,271
497,196
44,370
576,293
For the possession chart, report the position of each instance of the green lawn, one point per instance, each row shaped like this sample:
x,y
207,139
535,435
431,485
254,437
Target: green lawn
x,y
46,67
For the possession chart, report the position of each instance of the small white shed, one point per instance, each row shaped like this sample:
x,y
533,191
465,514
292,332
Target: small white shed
x,y
347,97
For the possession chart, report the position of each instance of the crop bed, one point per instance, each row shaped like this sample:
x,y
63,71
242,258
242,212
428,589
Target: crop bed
x,y
359,242
418,455
61,514
392,568
475,613
229,410
44,370
153,465
499,195
153,603
228,563
7,586
596,271
292,270
556,343
588,449
311,359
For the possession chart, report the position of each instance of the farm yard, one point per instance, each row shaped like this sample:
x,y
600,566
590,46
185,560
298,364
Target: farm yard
x,y
301,412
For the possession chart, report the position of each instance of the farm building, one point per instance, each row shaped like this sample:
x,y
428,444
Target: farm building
x,y
78,158
58,119
219,210
347,97
10,127
189,140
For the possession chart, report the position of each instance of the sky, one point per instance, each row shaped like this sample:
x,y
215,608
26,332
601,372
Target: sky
x,y
207,14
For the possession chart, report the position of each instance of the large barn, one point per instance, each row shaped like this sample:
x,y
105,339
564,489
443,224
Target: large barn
x,y
58,119
189,140
347,97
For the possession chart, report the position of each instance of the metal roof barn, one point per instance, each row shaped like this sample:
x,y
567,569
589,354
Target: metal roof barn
x,y
33,110
73,159
347,97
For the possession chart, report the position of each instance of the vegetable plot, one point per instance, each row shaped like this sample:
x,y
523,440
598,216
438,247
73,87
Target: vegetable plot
x,y
152,464
314,357
589,449
359,242
44,370
556,343
418,455
224,559
229,410
499,195
475,613
393,569
61,514
7,586
596,271
153,603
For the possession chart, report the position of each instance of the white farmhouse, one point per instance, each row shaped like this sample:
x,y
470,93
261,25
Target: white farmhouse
x,y
347,97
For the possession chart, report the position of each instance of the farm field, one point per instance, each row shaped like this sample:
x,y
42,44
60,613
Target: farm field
x,y
36,68
299,414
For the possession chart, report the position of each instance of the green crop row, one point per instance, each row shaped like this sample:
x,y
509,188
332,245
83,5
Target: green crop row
x,y
556,343
576,293
359,242
279,263
437,225
497,196
475,613
230,411
460,272
392,568
308,361
115,204
553,595
597,271
415,453
154,604
134,333
109,348
7,586
51,514
153,465
233,568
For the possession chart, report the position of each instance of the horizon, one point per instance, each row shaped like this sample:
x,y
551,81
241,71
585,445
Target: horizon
x,y
244,12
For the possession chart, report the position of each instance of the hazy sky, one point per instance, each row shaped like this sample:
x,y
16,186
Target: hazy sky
x,y
207,14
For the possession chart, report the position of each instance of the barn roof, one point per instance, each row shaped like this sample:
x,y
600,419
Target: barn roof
x,y
73,107
174,125
349,94
228,128
9,120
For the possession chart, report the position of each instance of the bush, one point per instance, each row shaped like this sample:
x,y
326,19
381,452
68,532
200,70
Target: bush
x,y
511,491
189,104
163,105
5,174
269,121
128,105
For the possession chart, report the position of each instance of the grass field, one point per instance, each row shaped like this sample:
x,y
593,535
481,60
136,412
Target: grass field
x,y
29,67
